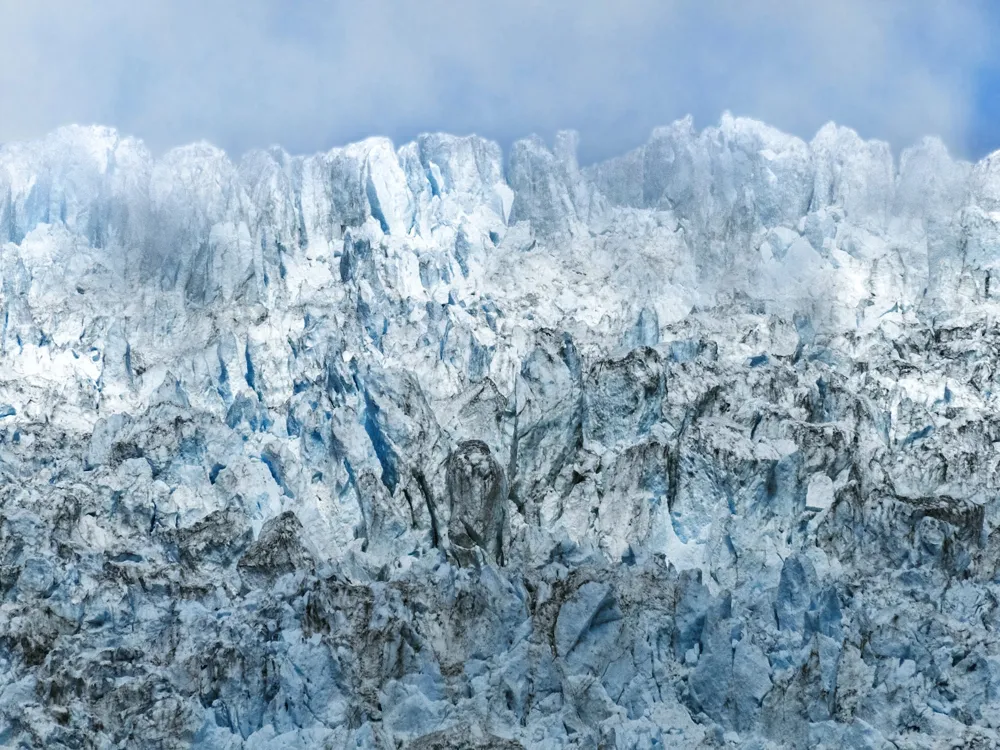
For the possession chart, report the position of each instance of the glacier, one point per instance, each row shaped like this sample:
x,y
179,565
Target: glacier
x,y
441,447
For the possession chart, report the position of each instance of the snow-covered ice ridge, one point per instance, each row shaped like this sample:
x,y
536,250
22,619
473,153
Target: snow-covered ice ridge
x,y
434,447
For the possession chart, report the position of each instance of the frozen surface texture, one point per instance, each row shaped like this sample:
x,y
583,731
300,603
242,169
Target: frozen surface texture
x,y
438,447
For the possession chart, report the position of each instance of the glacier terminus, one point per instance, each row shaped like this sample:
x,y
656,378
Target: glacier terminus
x,y
437,446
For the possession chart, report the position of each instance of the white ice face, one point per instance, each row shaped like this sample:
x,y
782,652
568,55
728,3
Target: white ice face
x,y
730,400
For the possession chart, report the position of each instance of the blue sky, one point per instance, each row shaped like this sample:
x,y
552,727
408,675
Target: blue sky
x,y
312,74
983,134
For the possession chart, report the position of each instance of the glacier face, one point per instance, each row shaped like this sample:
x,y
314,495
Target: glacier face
x,y
432,447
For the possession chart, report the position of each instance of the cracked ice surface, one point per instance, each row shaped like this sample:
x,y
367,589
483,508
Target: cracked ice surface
x,y
435,447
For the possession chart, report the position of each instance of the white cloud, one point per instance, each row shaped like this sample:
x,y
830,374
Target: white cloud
x,y
313,74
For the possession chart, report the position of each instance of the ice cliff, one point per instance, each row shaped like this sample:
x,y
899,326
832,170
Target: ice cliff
x,y
438,447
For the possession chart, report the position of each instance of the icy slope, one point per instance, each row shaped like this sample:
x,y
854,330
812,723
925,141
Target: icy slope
x,y
437,447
